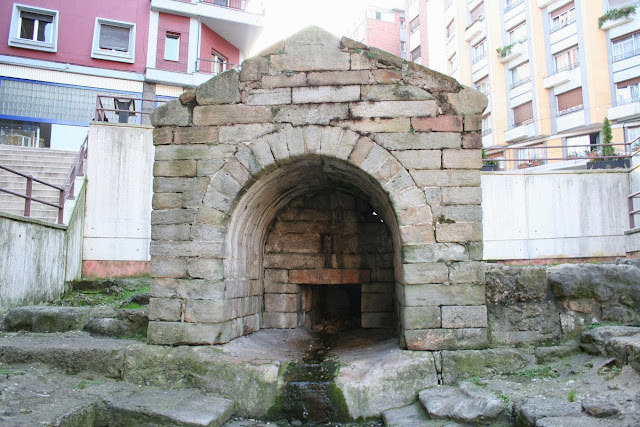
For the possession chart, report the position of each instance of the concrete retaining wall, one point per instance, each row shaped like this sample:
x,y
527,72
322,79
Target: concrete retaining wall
x,y
118,222
559,214
37,257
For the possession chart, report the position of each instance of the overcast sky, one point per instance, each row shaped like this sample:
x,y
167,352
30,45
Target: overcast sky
x,y
285,17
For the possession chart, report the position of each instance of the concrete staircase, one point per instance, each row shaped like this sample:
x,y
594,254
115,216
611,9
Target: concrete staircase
x,y
51,166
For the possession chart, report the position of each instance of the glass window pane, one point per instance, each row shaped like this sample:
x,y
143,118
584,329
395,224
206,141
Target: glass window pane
x,y
114,37
172,47
26,28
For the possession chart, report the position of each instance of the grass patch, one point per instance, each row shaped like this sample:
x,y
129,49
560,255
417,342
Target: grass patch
x,y
506,400
535,373
478,382
601,324
572,396
113,296
609,372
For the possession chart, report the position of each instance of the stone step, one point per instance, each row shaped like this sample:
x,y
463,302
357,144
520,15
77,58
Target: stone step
x,y
412,415
4,149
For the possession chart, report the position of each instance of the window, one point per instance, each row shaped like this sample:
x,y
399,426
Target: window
x,y
570,101
403,46
563,16
403,24
578,146
172,47
218,63
114,40
626,47
482,86
477,13
510,4
628,91
486,125
451,29
567,60
518,34
520,75
452,64
633,133
617,4
416,54
414,25
523,114
479,51
378,15
34,28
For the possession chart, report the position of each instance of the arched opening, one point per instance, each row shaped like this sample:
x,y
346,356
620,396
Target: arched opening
x,y
318,241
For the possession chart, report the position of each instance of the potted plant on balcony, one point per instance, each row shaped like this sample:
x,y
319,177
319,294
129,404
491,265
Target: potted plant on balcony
x,y
489,165
615,14
504,51
608,160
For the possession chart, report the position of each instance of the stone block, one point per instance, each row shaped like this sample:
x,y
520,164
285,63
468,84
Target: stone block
x,y
318,94
328,276
461,195
460,213
310,59
230,114
472,122
418,140
426,272
254,68
276,320
196,135
359,61
457,365
472,140
169,309
461,159
281,303
443,123
187,97
284,80
246,157
375,303
166,201
168,266
434,81
415,216
208,215
427,317
178,168
280,288
376,125
263,154
361,150
446,339
276,275
205,268
194,152
173,216
269,96
417,234
467,272
173,113
407,199
460,232
394,109
387,77
339,78
162,136
437,295
279,149
419,159
294,261
467,101
244,133
315,114
207,311
180,333
397,92
377,320
180,184
221,89
236,288
225,184
375,159
434,252
187,249
386,58
293,243
188,288
455,317
329,140
446,178
170,232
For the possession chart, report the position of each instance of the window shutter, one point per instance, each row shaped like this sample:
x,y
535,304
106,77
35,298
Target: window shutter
x,y
523,112
114,37
561,10
570,99
36,17
628,83
477,12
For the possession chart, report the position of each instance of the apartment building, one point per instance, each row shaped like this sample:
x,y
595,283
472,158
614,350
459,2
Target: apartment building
x,y
383,26
60,55
553,70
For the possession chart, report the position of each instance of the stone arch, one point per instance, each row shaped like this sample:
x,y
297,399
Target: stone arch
x,y
316,112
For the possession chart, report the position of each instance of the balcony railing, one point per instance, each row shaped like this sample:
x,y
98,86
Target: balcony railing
x,y
567,68
520,82
512,5
627,101
124,108
214,67
231,4
479,57
570,110
562,25
486,132
522,123
625,55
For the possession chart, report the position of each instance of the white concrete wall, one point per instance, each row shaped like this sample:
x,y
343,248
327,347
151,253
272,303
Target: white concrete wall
x,y
37,257
557,214
120,175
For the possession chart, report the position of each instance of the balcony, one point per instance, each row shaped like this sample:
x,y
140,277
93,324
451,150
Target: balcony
x,y
611,23
561,76
474,30
514,11
510,52
544,3
626,110
472,4
570,119
520,131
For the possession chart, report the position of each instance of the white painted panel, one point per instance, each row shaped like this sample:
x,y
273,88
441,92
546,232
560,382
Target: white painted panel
x,y
69,138
112,249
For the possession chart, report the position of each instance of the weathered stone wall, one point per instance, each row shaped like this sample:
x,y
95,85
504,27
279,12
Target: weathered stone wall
x,y
541,305
316,113
317,243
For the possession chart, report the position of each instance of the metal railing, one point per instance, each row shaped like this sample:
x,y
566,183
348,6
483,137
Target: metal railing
x,y
626,55
567,68
214,67
66,191
124,107
520,82
512,4
562,25
231,4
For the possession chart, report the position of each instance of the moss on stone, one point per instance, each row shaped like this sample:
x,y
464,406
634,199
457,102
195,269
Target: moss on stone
x,y
336,397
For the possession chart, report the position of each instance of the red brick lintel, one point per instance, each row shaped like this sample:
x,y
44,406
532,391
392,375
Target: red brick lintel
x,y
330,276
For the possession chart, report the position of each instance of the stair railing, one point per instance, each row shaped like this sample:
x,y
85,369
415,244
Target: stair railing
x,y
66,191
